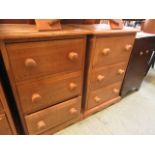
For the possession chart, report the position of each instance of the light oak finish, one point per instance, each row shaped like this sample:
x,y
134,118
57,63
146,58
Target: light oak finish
x,y
101,106
108,55
103,94
106,75
31,60
44,69
39,94
4,126
112,50
48,24
53,116
28,32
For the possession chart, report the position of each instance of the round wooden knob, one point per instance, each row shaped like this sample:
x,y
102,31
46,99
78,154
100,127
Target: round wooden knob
x,y
116,91
73,110
147,51
72,86
97,99
141,53
100,78
41,124
73,56
30,63
128,47
121,71
35,98
106,51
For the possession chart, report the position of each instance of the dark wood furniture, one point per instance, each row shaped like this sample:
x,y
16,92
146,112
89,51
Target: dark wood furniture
x,y
143,47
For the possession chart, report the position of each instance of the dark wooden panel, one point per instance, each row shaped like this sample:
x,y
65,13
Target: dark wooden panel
x,y
138,63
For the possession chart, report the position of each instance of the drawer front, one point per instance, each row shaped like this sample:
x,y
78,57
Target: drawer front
x,y
53,116
102,95
111,50
43,93
105,76
4,125
29,60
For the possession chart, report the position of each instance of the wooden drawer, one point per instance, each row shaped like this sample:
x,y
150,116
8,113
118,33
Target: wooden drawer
x,y
111,50
4,125
105,76
53,116
34,59
36,95
102,95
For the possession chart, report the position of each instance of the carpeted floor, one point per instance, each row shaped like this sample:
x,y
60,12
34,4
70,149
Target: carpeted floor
x,y
135,114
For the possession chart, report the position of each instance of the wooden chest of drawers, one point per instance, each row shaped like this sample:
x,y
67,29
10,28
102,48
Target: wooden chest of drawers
x,y
46,75
46,72
108,56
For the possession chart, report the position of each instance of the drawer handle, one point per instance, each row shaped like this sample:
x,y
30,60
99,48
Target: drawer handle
x,y
73,56
147,51
36,97
128,47
0,118
97,99
30,63
106,51
100,78
73,110
121,71
141,53
72,86
116,91
41,124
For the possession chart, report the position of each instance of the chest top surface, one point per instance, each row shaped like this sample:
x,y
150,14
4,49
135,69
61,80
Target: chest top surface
x,y
104,29
23,31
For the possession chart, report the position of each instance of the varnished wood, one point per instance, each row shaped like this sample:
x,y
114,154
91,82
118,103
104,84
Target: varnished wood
x,y
116,24
48,24
30,60
63,125
4,126
42,68
103,94
12,82
101,106
7,125
109,52
65,83
1,107
142,51
18,32
111,74
117,52
104,30
49,91
53,116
